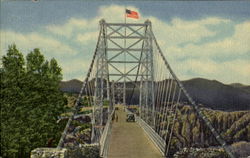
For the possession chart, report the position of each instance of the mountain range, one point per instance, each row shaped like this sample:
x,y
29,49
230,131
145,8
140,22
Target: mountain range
x,y
210,93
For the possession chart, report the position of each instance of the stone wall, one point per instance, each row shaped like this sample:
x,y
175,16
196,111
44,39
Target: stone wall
x,y
49,153
84,151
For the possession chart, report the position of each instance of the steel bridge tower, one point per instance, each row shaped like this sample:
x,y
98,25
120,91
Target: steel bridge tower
x,y
124,54
127,49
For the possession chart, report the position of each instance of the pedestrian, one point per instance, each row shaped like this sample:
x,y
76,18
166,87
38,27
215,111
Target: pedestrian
x,y
113,117
116,118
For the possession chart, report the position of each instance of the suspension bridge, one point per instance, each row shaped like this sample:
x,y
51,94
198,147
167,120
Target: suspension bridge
x,y
129,68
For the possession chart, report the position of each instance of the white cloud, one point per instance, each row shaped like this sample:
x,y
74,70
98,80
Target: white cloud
x,y
240,68
115,13
227,72
29,41
213,21
67,28
176,32
200,59
74,68
237,44
180,31
179,38
200,66
111,13
87,37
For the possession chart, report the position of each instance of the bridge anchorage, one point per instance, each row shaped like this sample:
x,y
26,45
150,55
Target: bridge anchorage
x,y
129,68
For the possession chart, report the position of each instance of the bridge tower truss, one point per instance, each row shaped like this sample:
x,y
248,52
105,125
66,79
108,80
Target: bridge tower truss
x,y
146,71
126,46
124,53
101,86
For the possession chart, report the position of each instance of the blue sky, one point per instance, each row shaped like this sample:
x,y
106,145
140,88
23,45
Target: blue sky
x,y
199,38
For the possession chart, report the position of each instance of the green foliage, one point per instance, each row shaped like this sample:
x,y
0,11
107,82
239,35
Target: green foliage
x,y
85,101
201,153
106,103
30,102
85,112
84,152
91,152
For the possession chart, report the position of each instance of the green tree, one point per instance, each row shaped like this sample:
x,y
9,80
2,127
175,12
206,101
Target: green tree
x,y
31,102
12,83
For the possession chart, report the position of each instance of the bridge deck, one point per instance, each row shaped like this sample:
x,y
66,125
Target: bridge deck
x,y
128,140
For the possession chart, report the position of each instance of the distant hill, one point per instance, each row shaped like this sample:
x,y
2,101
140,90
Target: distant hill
x,y
71,86
217,95
211,93
241,86
246,88
237,85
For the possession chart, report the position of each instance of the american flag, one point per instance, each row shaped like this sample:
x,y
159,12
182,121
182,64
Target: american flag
x,y
132,14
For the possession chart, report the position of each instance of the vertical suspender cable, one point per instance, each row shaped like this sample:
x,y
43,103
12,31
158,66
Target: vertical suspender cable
x,y
197,109
171,132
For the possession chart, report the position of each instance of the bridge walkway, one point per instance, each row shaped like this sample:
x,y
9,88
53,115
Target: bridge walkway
x,y
128,140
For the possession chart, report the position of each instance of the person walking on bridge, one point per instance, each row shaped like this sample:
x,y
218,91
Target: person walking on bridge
x,y
116,118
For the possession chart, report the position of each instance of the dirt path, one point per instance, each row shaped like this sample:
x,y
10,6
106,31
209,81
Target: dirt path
x,y
128,140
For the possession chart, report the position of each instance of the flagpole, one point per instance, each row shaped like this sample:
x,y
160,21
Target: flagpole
x,y
124,86
125,15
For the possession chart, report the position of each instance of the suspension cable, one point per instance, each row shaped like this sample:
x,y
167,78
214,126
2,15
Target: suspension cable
x,y
62,139
197,109
166,101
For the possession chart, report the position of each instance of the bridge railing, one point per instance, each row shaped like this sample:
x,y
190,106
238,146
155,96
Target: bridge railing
x,y
155,137
105,138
